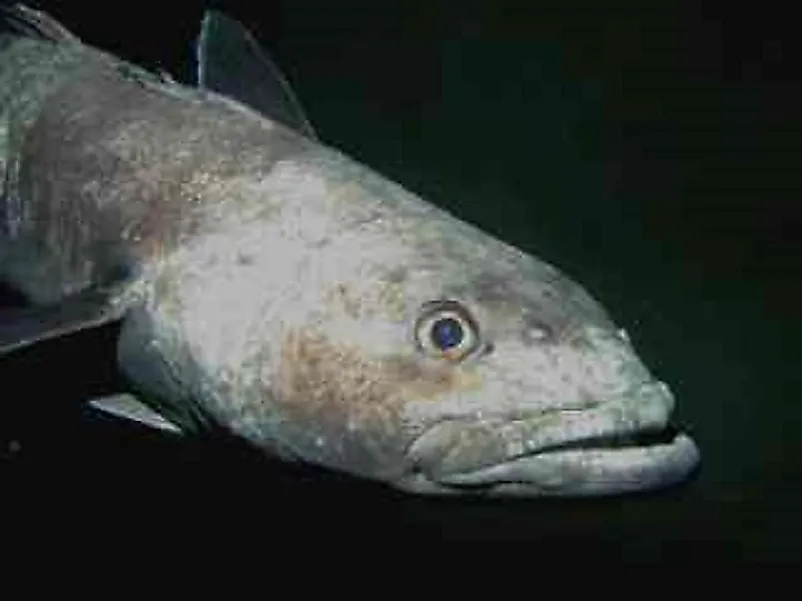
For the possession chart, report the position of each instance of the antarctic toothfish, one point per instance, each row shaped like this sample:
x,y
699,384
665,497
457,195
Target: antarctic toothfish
x,y
268,285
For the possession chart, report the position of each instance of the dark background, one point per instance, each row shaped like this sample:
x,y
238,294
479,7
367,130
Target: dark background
x,y
651,152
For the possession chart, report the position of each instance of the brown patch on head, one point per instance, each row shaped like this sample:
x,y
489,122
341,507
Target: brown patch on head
x,y
429,380
350,408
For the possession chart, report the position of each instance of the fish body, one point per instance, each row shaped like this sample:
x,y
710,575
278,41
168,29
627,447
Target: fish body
x,y
269,285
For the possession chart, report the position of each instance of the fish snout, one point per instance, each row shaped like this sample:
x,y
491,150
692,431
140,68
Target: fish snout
x,y
620,445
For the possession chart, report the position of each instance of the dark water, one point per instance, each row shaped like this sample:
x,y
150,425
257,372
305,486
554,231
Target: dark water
x,y
653,154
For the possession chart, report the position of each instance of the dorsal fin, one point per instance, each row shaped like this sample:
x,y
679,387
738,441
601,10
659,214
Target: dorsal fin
x,y
231,62
25,21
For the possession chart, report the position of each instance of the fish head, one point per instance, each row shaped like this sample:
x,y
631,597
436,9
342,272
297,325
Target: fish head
x,y
433,356
383,337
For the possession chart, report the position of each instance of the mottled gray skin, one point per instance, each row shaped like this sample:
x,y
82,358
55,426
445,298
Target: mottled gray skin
x,y
274,287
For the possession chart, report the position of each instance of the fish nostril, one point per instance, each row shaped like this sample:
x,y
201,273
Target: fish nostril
x,y
536,332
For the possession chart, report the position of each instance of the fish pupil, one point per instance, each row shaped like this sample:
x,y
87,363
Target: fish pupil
x,y
446,333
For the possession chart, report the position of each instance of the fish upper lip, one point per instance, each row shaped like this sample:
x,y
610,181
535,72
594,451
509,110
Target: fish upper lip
x,y
611,437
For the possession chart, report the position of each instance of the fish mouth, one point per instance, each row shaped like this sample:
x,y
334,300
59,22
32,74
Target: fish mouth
x,y
600,466
620,446
646,438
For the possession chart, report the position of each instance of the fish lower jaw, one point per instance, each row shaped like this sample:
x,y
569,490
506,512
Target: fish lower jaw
x,y
601,466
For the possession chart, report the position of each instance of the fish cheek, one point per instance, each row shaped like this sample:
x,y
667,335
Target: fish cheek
x,y
344,411
337,408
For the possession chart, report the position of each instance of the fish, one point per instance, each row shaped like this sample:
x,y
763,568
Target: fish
x,y
267,285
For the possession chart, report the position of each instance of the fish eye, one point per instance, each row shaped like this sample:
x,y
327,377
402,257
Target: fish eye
x,y
446,329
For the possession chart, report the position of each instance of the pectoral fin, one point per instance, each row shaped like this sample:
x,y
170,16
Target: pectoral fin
x,y
231,63
129,407
24,326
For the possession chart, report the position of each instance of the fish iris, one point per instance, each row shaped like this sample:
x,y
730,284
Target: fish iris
x,y
446,333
